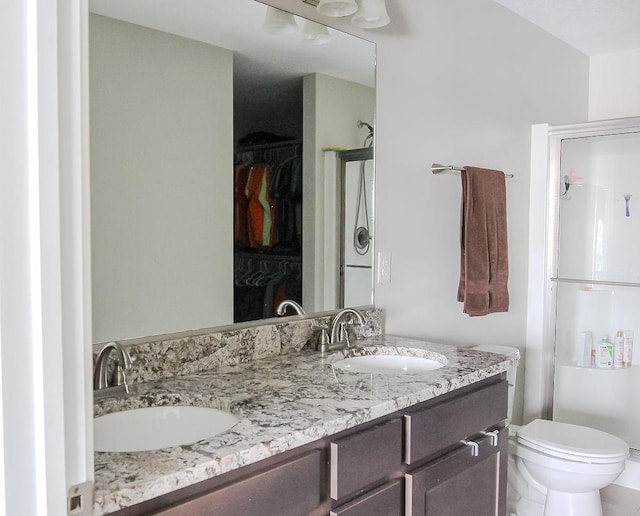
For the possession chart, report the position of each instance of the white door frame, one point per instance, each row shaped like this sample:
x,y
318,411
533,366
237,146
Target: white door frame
x,y
45,331
543,206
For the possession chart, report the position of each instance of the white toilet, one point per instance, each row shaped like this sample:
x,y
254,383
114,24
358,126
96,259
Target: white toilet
x,y
558,469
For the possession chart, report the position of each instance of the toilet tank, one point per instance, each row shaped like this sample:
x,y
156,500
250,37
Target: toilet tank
x,y
514,356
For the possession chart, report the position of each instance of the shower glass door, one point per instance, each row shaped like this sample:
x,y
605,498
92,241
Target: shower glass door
x,y
597,284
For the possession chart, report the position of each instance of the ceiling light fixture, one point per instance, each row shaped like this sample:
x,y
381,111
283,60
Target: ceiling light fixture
x,y
369,14
372,14
315,33
337,8
279,22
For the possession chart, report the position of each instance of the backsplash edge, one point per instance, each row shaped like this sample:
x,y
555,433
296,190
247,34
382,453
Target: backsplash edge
x,y
193,352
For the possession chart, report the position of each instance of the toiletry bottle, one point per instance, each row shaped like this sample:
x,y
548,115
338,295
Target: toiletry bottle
x,y
584,349
618,350
605,353
628,348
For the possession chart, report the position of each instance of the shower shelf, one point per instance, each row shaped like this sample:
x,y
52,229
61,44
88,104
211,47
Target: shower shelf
x,y
596,282
601,370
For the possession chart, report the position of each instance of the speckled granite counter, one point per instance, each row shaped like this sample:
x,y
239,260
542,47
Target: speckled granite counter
x,y
283,402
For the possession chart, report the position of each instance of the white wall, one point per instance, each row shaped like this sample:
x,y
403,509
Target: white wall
x,y
161,176
480,77
458,82
614,85
331,110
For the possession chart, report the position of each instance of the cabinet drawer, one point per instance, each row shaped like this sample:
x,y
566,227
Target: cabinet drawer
x,y
291,488
459,483
370,456
440,426
384,501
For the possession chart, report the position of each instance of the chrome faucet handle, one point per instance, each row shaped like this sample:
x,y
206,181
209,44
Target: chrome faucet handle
x,y
343,334
121,378
101,371
322,344
335,334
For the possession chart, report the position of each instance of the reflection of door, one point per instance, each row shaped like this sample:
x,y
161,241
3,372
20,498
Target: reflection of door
x,y
356,227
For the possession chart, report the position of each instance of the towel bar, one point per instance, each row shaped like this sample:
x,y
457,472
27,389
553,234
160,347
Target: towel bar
x,y
436,168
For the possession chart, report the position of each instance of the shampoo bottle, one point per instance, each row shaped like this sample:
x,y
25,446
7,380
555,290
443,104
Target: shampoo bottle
x,y
628,348
605,353
618,350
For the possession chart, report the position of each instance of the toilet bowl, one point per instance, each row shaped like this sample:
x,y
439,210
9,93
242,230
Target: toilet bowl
x,y
571,462
558,469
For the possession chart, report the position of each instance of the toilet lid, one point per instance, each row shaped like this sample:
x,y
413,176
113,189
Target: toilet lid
x,y
573,441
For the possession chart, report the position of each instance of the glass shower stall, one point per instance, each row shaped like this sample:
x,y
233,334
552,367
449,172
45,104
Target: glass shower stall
x,y
592,303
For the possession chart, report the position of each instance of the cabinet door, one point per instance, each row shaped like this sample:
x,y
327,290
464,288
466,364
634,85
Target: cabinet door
x,y
384,501
361,460
289,489
433,430
461,484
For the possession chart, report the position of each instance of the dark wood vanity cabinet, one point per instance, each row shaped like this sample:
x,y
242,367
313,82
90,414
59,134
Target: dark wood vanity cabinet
x,y
443,457
456,455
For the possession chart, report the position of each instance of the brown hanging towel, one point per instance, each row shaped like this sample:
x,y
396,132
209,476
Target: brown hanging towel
x,y
484,258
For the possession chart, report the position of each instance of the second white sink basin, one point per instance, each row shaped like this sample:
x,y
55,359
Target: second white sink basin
x,y
387,364
152,428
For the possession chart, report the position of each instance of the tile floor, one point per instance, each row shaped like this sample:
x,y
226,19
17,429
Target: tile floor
x,y
620,501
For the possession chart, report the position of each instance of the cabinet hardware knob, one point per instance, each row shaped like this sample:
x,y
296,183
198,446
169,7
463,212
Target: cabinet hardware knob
x,y
495,435
473,445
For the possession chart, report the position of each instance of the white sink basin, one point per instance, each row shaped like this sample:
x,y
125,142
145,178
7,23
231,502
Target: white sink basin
x,y
387,364
152,428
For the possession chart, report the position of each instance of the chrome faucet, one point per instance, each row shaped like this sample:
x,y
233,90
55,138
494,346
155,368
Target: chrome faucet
x,y
101,372
337,327
282,307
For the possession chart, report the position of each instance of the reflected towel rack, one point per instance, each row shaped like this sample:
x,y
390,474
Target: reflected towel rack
x,y
437,168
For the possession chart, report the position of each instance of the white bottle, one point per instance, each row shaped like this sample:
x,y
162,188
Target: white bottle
x,y
628,348
583,349
618,350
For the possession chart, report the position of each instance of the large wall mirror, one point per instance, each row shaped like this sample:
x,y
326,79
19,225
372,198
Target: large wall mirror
x,y
218,134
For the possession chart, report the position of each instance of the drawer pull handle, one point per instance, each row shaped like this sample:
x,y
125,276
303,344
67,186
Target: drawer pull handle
x,y
474,447
494,436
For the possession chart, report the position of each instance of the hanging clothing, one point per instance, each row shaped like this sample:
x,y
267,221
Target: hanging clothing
x,y
286,189
261,210
240,204
267,229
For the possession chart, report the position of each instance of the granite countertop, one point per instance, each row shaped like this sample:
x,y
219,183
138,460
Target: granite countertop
x,y
283,402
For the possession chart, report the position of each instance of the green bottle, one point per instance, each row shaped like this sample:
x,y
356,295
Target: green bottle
x,y
605,353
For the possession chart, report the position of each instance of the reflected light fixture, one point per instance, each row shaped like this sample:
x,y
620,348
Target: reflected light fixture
x,y
337,8
372,14
315,33
279,22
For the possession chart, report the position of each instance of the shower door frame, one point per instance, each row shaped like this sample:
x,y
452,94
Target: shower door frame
x,y
543,322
